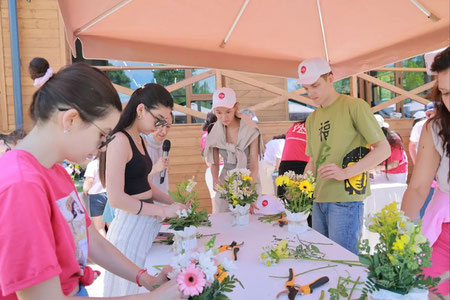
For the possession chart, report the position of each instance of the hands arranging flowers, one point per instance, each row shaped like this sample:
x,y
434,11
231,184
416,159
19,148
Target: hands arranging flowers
x,y
185,194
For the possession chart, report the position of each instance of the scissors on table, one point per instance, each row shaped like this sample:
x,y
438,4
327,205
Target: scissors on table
x,y
293,290
233,246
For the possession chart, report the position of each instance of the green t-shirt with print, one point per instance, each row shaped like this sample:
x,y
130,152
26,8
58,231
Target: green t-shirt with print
x,y
342,133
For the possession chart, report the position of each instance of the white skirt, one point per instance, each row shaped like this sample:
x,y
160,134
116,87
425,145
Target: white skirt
x,y
133,235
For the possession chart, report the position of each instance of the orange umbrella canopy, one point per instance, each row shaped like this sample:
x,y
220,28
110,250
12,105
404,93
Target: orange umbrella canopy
x,y
259,36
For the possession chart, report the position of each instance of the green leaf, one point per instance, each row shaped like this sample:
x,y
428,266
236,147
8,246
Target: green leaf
x,y
315,249
365,260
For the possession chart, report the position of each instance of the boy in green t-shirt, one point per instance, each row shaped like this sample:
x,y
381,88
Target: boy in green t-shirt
x,y
344,141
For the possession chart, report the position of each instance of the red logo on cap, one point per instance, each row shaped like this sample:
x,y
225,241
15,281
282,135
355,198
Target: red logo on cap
x,y
265,203
303,69
221,95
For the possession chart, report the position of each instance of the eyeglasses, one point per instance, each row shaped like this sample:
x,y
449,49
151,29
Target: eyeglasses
x,y
108,137
158,121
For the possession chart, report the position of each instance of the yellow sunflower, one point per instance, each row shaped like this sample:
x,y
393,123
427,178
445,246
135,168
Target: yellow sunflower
x,y
246,177
306,186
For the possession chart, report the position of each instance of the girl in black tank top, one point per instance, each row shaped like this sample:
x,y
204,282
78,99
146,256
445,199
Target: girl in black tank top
x,y
137,169
136,222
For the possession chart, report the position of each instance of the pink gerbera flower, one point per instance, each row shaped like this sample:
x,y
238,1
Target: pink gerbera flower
x,y
191,280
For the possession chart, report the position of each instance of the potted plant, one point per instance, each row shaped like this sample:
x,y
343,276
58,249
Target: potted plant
x,y
396,264
184,227
200,276
297,199
240,192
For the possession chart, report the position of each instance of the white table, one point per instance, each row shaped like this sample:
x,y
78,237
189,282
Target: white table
x,y
253,274
382,195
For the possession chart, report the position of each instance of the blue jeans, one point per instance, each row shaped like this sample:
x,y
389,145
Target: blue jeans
x,y
340,221
97,204
82,292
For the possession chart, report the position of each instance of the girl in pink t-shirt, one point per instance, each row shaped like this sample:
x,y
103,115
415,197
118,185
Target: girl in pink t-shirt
x,y
45,233
395,168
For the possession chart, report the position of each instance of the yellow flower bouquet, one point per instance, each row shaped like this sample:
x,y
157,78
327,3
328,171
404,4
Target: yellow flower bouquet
x,y
297,199
396,264
239,191
299,191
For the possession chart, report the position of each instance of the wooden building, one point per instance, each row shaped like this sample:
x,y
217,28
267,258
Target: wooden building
x,y
41,33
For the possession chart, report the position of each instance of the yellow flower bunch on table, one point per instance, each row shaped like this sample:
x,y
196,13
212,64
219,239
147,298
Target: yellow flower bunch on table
x,y
238,188
400,254
299,191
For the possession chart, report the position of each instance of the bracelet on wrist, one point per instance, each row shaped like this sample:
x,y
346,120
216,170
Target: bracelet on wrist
x,y
140,208
138,276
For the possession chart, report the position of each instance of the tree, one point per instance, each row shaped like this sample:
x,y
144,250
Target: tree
x,y
412,80
201,88
168,77
343,86
118,77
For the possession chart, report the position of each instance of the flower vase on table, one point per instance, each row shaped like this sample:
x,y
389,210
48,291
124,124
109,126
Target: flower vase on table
x,y
297,222
397,261
240,192
184,240
240,214
297,199
184,227
413,294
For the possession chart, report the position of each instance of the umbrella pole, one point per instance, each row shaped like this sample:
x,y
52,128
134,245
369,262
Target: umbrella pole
x,y
425,11
234,23
323,31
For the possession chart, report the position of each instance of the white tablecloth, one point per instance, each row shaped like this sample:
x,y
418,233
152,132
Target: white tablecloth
x,y
253,274
382,194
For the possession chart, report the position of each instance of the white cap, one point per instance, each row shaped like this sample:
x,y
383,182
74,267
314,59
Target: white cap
x,y
419,115
224,97
310,70
381,121
269,205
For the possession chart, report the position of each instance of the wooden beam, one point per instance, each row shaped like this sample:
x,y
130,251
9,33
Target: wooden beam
x,y
393,88
201,97
275,101
176,107
191,80
269,88
187,75
362,89
3,98
219,81
163,67
401,69
418,90
368,93
354,86
399,83
267,103
189,111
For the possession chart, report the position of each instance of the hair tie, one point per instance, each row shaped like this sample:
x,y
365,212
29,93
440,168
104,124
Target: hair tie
x,y
40,81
